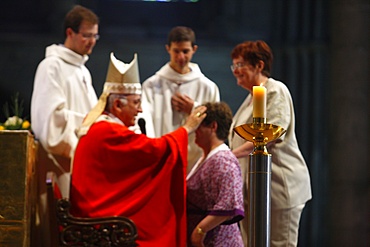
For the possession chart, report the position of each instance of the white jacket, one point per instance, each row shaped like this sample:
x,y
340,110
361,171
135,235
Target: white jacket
x,y
290,179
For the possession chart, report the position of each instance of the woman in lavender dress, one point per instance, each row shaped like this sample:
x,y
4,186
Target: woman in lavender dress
x,y
214,185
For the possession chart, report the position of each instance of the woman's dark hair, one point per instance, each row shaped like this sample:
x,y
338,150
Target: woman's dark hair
x,y
221,113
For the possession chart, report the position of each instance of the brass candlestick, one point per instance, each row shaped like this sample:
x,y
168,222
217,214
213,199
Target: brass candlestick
x,y
259,179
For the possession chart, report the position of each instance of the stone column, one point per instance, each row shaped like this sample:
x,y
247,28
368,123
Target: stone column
x,y
348,208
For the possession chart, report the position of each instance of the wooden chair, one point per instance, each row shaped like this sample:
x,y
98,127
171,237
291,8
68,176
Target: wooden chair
x,y
67,230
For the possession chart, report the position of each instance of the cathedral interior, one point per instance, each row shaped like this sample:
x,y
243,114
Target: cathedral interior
x,y
321,52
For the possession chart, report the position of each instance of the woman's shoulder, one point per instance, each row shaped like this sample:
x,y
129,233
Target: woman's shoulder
x,y
274,85
227,159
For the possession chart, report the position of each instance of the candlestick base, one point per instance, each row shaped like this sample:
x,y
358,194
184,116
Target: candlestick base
x,y
259,178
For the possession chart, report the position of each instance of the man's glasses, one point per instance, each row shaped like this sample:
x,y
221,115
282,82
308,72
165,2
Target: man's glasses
x,y
90,36
237,66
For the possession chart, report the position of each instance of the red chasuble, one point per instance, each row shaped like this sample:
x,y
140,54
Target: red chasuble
x,y
118,172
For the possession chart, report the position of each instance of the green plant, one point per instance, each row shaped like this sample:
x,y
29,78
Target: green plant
x,y
14,122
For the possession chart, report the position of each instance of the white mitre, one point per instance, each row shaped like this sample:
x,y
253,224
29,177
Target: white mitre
x,y
122,78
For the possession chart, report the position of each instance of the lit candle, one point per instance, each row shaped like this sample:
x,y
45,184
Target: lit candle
x,y
259,102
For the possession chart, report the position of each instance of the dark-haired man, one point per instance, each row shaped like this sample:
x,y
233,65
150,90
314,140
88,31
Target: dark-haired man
x,y
176,89
62,95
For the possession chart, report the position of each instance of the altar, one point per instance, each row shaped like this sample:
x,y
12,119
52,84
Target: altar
x,y
18,150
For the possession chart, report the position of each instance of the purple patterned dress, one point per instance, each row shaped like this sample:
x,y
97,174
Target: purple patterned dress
x,y
214,187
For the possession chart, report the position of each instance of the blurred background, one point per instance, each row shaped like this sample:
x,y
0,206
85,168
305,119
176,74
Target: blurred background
x,y
321,52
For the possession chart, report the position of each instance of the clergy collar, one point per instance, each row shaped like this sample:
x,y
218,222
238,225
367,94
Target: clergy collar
x,y
107,116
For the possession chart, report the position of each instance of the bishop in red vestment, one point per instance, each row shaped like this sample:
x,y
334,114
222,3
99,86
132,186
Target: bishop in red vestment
x,y
119,172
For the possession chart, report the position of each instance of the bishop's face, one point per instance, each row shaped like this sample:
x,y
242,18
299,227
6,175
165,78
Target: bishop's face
x,y
129,111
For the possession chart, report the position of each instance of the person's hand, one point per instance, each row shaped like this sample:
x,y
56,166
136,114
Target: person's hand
x,y
197,238
195,118
182,103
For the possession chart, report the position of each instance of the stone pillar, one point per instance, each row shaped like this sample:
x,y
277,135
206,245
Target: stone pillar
x,y
348,208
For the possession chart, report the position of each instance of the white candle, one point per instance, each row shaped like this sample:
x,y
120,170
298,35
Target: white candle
x,y
259,102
